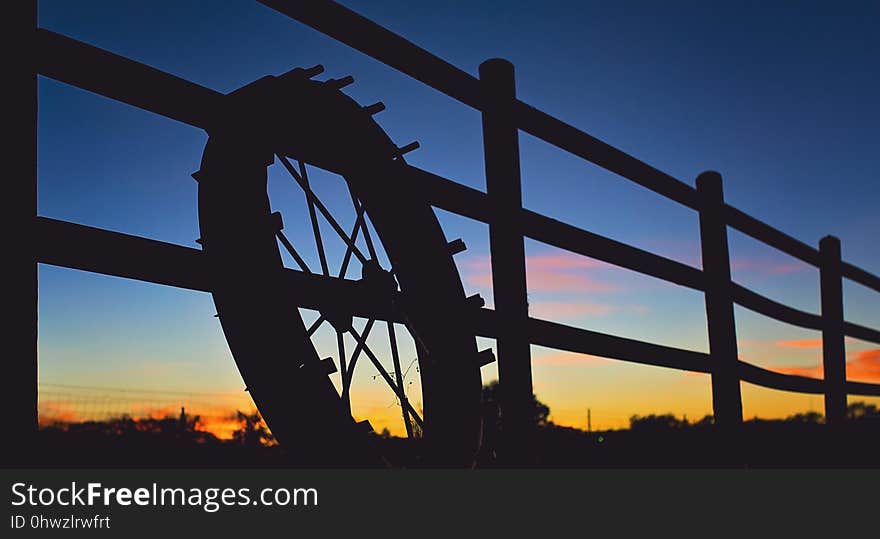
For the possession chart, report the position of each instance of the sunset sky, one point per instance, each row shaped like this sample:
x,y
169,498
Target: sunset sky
x,y
780,97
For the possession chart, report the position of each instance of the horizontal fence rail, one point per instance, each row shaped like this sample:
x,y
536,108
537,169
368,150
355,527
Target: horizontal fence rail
x,y
861,276
119,78
112,253
861,332
773,309
768,235
368,37
75,246
120,255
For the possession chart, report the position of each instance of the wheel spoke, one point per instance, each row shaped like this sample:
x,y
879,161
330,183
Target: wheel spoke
x,y
358,349
395,380
292,251
395,356
316,229
322,208
315,325
340,344
354,234
359,208
387,377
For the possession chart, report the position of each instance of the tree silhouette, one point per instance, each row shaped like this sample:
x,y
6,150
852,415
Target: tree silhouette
x,y
655,422
862,410
253,432
807,417
540,411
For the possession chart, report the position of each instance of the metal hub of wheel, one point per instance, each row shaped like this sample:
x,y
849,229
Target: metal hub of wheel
x,y
407,276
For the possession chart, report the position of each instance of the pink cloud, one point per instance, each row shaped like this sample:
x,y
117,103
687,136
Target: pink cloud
x,y
557,280
552,310
563,272
563,261
556,310
766,267
483,280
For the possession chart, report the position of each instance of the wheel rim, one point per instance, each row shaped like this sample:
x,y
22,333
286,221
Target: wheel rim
x,y
267,336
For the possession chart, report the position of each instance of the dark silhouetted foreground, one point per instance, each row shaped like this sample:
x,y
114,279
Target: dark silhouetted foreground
x,y
650,441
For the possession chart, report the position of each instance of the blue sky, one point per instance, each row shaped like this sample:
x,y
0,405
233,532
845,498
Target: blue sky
x,y
780,97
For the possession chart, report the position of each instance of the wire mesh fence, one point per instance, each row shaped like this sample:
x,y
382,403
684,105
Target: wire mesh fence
x,y
64,404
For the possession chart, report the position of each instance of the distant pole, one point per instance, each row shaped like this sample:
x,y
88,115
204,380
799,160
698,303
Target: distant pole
x,y
833,346
589,421
501,150
726,397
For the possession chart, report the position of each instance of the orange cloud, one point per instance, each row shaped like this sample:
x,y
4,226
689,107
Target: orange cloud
x,y
863,365
53,412
809,372
805,343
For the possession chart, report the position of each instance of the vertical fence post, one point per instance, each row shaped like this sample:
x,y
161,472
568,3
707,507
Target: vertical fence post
x,y
726,397
501,150
833,346
20,210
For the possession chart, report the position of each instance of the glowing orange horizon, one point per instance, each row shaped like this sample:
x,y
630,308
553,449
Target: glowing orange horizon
x,y
568,383
221,425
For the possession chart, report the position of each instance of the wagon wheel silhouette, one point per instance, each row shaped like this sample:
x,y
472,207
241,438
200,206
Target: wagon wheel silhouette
x,y
313,125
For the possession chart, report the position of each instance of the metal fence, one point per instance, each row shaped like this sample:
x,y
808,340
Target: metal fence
x,y
64,404
493,94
